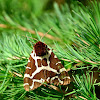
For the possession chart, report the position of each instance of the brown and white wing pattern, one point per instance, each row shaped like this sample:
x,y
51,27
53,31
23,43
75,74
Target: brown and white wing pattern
x,y
33,77
61,77
45,68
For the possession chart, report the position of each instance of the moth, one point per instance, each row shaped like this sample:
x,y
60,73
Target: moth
x,y
44,66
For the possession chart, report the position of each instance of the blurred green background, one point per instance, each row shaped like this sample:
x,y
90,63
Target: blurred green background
x,y
28,15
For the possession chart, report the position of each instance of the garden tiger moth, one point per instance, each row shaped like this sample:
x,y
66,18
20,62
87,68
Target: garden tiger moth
x,y
44,66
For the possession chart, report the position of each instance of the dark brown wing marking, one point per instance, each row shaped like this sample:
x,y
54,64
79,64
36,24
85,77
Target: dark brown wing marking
x,y
44,62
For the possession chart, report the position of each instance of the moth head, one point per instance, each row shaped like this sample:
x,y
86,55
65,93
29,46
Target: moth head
x,y
40,49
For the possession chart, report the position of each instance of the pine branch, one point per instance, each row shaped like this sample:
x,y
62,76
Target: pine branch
x,y
28,30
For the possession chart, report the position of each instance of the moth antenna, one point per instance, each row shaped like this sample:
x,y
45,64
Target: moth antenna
x,y
31,38
31,41
46,33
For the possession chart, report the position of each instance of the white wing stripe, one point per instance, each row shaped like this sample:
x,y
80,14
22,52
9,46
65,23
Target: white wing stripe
x,y
28,67
53,78
39,69
48,79
27,75
26,84
58,63
29,60
62,69
35,80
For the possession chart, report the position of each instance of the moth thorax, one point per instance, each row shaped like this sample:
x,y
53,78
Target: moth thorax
x,y
40,49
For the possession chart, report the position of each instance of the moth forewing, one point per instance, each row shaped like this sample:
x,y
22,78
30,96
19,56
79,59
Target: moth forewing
x,y
44,66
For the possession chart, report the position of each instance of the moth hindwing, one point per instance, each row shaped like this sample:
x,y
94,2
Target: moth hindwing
x,y
44,66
